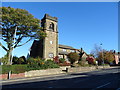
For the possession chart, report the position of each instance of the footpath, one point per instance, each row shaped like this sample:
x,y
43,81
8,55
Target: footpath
x,y
70,71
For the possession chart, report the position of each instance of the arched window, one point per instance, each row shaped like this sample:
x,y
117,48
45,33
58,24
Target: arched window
x,y
51,26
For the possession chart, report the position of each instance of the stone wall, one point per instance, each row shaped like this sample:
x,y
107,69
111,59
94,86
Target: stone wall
x,y
43,72
60,70
85,69
81,69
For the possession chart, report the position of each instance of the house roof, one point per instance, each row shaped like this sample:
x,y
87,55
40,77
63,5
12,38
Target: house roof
x,y
65,46
62,52
69,47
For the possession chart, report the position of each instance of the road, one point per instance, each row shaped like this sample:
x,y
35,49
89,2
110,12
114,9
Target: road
x,y
106,78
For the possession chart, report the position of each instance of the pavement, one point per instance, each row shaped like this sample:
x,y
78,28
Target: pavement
x,y
30,78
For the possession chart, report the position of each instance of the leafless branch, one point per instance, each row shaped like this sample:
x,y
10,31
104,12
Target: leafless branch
x,y
3,47
24,43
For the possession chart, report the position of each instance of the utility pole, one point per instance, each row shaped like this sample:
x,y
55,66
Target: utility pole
x,y
102,56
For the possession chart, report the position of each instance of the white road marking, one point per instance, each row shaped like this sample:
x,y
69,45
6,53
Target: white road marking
x,y
104,85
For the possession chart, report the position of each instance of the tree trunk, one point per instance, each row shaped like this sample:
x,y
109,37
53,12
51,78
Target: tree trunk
x,y
9,54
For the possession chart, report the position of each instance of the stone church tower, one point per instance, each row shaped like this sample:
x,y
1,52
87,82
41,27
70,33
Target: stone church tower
x,y
47,48
50,48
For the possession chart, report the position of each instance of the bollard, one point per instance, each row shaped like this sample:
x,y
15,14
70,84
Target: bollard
x,y
66,69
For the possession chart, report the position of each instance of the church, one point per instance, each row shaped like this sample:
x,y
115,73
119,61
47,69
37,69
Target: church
x,y
48,48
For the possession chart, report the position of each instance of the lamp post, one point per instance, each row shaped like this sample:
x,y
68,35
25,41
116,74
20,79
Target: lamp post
x,y
102,56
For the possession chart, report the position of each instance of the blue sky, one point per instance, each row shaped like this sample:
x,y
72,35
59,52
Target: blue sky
x,y
80,24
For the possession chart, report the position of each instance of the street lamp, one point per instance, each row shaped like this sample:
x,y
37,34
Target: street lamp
x,y
102,56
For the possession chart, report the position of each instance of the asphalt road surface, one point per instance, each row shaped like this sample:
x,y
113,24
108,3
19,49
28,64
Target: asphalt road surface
x,y
106,78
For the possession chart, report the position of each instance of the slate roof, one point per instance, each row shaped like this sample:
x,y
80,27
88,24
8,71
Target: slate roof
x,y
65,46
62,52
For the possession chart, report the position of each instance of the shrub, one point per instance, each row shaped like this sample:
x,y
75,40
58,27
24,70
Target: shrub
x,y
73,57
65,63
42,64
56,59
37,63
30,61
51,64
33,62
62,60
4,60
5,68
14,68
91,60
83,59
31,66
18,68
83,63
15,60
21,60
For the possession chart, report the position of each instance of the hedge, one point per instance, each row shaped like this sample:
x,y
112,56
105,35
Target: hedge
x,y
15,69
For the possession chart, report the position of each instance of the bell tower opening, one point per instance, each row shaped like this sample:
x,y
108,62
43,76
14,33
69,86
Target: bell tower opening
x,y
51,26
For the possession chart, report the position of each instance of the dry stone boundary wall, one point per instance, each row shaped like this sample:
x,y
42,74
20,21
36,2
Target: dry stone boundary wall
x,y
60,70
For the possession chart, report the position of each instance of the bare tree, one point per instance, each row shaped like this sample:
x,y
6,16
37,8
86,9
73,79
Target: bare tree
x,y
96,50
